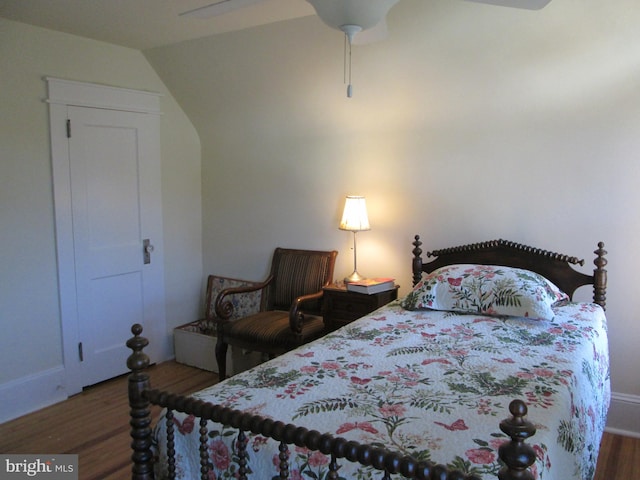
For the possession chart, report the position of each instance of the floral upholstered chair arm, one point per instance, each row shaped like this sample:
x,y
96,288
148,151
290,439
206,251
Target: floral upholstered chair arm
x,y
232,297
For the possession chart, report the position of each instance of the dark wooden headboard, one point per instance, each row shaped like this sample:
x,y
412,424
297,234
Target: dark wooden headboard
x,y
553,266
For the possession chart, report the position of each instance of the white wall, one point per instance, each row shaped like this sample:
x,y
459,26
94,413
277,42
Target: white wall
x,y
31,343
469,122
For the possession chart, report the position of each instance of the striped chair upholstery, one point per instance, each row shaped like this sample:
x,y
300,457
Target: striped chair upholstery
x,y
290,312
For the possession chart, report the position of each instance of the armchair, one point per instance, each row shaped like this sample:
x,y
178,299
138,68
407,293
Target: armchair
x,y
290,309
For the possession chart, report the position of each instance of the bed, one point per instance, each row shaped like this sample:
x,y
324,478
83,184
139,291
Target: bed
x,y
486,369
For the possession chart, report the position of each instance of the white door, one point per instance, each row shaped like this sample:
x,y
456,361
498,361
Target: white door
x,y
109,154
109,278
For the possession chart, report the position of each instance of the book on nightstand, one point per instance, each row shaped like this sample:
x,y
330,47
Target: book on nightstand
x,y
372,285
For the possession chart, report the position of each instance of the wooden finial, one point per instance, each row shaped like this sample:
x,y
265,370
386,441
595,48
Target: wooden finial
x,y
517,455
140,412
417,260
600,276
138,360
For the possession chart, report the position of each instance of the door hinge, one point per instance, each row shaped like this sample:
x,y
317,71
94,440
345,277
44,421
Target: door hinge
x,y
80,352
68,128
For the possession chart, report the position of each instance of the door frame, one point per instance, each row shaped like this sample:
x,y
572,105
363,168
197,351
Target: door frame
x,y
62,94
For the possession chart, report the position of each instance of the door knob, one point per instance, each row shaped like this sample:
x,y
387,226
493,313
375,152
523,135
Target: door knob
x,y
147,250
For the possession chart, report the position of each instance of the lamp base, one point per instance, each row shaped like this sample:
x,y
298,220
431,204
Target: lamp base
x,y
354,277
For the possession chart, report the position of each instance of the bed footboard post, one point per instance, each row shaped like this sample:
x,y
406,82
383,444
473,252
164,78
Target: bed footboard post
x,y
140,412
416,265
517,455
600,277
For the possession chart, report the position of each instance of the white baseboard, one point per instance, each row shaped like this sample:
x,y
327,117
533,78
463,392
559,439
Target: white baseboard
x,y
624,415
33,392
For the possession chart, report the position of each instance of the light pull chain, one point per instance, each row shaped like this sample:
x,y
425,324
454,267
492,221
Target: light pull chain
x,y
349,32
344,61
347,65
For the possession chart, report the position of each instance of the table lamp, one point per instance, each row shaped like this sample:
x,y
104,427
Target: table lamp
x,y
354,219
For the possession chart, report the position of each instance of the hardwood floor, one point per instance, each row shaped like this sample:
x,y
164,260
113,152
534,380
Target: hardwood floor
x,y
95,425
619,458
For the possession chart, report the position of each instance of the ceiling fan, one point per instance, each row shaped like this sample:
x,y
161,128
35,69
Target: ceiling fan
x,y
220,7
350,16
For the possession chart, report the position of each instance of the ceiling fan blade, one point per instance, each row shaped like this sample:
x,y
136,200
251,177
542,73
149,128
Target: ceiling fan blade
x,y
527,4
219,8
374,34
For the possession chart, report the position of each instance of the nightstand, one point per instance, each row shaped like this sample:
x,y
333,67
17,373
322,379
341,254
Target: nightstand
x,y
341,306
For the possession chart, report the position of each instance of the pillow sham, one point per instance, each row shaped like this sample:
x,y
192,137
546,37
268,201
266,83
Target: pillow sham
x,y
486,289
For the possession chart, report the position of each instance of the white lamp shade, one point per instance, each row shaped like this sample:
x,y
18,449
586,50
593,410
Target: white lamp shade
x,y
363,13
354,217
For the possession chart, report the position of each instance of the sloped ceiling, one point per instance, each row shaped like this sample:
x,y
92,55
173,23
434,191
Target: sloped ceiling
x,y
145,24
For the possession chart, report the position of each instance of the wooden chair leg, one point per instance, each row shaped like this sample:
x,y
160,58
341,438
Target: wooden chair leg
x,y
221,358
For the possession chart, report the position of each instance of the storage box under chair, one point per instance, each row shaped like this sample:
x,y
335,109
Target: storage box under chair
x,y
195,342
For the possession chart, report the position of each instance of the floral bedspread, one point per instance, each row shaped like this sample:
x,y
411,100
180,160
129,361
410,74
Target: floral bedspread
x,y
430,384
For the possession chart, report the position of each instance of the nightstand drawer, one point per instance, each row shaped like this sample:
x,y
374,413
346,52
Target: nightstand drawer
x,y
341,307
352,307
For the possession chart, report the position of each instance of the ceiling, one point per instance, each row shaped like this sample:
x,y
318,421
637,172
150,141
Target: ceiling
x,y
145,24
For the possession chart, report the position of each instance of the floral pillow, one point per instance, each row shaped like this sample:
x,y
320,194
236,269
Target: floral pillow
x,y
486,289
